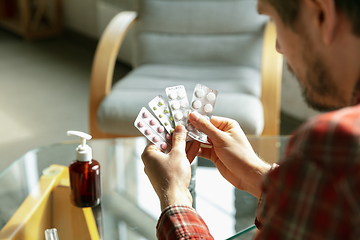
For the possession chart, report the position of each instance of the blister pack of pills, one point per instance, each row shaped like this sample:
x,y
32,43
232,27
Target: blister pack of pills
x,y
161,110
178,103
203,102
151,128
158,129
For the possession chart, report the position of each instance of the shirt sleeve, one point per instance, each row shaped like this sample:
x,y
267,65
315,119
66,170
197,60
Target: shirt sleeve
x,y
181,222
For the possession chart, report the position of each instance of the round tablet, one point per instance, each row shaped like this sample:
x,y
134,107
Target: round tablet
x,y
152,122
175,105
147,132
184,104
196,104
163,146
178,116
155,139
160,129
145,115
181,94
210,96
208,108
140,124
199,93
173,95
168,136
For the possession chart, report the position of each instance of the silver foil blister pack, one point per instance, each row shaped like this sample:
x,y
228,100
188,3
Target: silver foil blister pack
x,y
203,102
178,103
161,110
151,128
158,129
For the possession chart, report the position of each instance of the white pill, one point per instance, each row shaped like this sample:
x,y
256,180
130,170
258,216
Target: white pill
x,y
199,93
208,108
210,96
181,94
175,105
196,104
178,116
184,104
173,95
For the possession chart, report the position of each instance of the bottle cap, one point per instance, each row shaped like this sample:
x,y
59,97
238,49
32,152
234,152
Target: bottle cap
x,y
83,151
51,234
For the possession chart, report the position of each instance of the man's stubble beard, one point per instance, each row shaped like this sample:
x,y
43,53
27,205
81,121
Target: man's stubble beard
x,y
318,86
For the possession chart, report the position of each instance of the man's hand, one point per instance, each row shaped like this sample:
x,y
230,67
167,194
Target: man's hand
x,y
231,152
170,173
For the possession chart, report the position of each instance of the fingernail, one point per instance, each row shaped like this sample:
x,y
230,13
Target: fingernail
x,y
180,128
194,116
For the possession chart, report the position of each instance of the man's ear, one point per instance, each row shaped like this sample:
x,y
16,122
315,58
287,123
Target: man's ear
x,y
323,13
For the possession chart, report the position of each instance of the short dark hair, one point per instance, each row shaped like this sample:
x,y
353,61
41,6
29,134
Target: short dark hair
x,y
288,11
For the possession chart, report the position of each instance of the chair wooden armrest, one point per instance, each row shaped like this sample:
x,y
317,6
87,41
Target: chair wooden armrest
x,y
104,63
271,74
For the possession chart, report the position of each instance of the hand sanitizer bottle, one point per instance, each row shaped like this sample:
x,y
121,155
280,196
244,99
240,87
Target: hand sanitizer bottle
x,y
84,173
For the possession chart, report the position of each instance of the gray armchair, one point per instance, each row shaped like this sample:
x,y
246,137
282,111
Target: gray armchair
x,y
223,44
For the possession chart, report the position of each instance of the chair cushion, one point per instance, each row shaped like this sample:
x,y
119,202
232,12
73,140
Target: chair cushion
x,y
238,98
198,31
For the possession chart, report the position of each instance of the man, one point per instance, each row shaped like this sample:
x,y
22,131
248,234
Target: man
x,y
314,191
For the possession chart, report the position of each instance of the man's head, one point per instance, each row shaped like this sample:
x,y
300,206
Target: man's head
x,y
288,11
320,40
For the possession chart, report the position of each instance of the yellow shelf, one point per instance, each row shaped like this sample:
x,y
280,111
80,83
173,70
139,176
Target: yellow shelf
x,y
48,206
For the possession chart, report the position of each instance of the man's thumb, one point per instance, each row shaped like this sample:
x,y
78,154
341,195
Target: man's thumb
x,y
179,138
203,125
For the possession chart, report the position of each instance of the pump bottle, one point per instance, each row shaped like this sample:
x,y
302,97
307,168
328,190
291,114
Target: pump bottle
x,y
84,173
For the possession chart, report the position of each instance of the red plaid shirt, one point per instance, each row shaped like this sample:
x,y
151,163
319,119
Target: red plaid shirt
x,y
181,222
313,194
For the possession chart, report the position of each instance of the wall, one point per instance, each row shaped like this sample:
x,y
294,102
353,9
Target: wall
x,y
81,16
105,13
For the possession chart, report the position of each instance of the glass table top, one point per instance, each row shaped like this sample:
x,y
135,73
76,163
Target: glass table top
x,y
129,206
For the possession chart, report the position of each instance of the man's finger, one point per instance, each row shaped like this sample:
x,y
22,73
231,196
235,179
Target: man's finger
x,y
179,138
149,151
192,149
203,125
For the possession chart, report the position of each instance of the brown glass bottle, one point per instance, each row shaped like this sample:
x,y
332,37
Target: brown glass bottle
x,y
85,183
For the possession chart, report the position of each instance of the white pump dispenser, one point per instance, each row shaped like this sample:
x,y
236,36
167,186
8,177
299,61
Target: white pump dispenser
x,y
83,151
